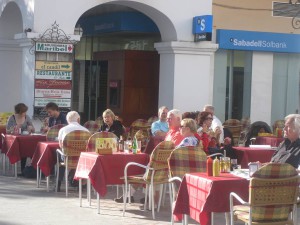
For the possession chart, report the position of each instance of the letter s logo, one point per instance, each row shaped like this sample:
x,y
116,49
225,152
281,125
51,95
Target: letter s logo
x,y
202,25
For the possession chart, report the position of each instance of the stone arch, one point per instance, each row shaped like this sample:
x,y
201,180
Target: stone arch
x,y
164,24
11,21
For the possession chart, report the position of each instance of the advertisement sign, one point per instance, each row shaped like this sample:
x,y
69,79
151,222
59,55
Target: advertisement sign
x,y
258,41
53,75
54,47
42,102
52,93
202,28
54,66
53,84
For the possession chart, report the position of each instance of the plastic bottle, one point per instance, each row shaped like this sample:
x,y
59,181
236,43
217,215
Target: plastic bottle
x,y
121,144
216,167
209,166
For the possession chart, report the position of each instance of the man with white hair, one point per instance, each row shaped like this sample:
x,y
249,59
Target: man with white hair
x,y
73,119
216,123
289,150
160,127
174,119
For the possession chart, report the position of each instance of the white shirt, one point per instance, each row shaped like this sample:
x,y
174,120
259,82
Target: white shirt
x,y
67,129
217,123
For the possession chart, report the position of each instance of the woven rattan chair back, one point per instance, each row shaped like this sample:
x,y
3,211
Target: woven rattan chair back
x,y
91,146
99,121
92,126
152,119
143,136
187,160
75,142
53,132
278,124
139,124
235,127
272,192
159,162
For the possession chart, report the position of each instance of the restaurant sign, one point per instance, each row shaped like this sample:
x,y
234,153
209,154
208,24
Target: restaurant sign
x,y
54,47
53,75
52,93
42,102
54,66
53,84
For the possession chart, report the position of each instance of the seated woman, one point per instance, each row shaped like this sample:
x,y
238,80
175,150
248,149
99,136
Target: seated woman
x,y
111,124
289,150
187,129
18,121
208,136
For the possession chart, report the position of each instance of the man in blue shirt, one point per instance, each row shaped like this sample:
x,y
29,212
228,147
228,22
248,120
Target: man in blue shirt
x,y
160,127
56,117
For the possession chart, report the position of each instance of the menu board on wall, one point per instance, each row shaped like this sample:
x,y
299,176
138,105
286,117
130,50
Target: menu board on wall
x,y
53,79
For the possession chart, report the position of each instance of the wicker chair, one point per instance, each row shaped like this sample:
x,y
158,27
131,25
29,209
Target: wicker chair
x,y
273,193
99,121
181,161
53,132
156,173
245,123
74,143
143,136
278,124
137,125
92,126
235,127
152,119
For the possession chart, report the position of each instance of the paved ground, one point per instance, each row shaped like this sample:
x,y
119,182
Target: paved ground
x,y
21,203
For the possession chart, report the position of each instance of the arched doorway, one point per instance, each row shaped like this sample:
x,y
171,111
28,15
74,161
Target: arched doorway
x,y
116,64
11,23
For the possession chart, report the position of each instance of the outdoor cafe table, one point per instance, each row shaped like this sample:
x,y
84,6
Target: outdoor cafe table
x,y
268,140
246,155
199,195
44,158
105,170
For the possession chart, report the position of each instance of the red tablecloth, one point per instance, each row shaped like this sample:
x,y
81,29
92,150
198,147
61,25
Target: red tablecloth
x,y
246,155
105,170
45,156
199,195
2,131
19,146
273,141
153,142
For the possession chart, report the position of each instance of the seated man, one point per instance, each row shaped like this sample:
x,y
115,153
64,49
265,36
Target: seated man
x,y
73,119
174,120
289,150
56,117
160,127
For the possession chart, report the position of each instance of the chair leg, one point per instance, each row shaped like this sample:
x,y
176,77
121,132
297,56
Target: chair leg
x,y
57,175
146,197
161,194
124,198
227,218
66,179
153,202
88,187
40,178
212,218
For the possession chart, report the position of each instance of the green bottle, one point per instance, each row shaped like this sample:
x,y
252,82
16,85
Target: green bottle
x,y
134,146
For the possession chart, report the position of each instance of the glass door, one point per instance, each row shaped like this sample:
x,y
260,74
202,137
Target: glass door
x,y
96,88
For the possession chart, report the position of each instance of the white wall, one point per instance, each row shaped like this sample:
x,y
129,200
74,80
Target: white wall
x,y
261,91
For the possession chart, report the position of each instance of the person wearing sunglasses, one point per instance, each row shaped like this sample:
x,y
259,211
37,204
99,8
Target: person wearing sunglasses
x,y
188,129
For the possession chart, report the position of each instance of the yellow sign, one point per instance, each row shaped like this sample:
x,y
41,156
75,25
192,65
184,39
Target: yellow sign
x,y
106,145
4,117
54,66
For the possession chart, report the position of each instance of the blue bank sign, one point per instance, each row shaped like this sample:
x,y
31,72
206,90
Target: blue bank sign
x,y
202,27
258,41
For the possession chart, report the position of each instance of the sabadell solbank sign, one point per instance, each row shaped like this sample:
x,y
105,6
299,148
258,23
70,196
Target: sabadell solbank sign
x,y
53,47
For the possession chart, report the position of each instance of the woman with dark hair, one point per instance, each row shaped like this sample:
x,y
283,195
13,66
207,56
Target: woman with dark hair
x,y
19,120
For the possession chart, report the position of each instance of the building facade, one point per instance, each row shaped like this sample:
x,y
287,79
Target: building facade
x,y
239,80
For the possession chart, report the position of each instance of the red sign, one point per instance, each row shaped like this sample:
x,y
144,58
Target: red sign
x,y
53,84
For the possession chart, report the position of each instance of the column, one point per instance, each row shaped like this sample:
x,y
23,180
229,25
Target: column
x,y
186,74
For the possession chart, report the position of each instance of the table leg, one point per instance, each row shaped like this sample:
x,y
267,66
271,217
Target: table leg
x,y
37,177
3,163
98,203
227,218
212,218
89,191
47,179
80,192
16,170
